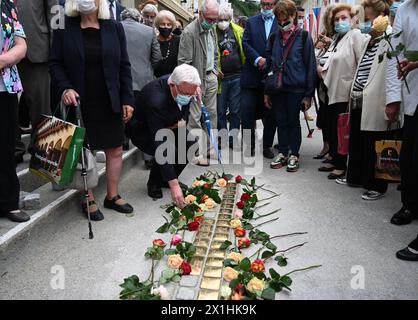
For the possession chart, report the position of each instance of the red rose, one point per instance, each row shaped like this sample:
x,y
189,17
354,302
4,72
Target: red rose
x,y
244,243
206,186
239,288
186,268
204,198
226,53
159,243
245,197
240,205
199,219
238,179
193,226
240,232
226,178
257,266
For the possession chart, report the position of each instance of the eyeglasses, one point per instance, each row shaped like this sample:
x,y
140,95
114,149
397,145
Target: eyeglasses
x,y
267,4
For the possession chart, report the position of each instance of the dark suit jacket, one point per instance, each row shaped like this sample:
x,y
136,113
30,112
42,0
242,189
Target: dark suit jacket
x,y
254,43
155,109
35,17
119,9
67,61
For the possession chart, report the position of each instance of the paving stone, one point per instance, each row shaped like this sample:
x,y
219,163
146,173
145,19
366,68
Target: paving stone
x,y
22,196
185,294
32,201
189,281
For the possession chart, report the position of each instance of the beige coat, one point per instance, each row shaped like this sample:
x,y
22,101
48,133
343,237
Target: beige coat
x,y
339,70
373,117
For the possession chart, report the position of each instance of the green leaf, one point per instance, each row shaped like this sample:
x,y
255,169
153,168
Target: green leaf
x,y
274,274
268,294
248,226
169,252
267,254
168,274
230,263
164,228
176,278
286,281
245,264
411,55
275,285
397,35
281,261
271,246
381,57
225,245
253,181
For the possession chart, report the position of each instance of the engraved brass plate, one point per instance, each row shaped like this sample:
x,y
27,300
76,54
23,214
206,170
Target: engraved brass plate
x,y
223,223
222,230
202,242
201,235
214,262
225,216
221,237
213,272
208,222
207,228
208,295
216,253
201,251
211,283
197,264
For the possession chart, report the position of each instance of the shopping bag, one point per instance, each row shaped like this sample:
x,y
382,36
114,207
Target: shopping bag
x,y
92,177
387,160
343,127
56,150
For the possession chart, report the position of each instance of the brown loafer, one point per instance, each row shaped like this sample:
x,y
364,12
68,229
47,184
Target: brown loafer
x,y
18,216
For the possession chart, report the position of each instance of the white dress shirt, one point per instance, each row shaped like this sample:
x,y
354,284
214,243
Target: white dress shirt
x,y
113,8
407,21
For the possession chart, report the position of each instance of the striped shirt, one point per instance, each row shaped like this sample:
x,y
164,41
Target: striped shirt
x,y
365,67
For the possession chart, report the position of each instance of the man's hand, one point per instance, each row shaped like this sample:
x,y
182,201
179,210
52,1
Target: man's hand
x,y
406,66
128,111
261,63
70,98
220,75
267,102
307,103
2,63
176,193
199,95
392,111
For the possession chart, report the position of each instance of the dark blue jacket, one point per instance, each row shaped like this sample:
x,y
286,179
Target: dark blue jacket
x,y
67,61
119,9
254,43
299,73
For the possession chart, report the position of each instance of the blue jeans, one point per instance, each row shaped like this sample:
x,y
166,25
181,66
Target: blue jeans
x,y
230,98
252,99
286,108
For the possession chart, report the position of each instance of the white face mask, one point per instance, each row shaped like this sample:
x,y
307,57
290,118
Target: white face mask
x,y
86,6
223,25
300,22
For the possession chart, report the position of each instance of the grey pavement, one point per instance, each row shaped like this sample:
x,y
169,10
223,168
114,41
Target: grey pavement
x,y
345,235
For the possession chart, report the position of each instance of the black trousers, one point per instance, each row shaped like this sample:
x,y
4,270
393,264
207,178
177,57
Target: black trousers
x,y
338,160
414,244
362,154
322,121
9,186
409,163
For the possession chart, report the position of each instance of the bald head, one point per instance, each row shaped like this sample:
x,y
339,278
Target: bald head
x,y
210,7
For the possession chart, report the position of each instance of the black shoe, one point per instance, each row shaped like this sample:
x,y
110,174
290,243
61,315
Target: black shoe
x,y
154,192
267,153
320,156
94,215
326,169
125,146
329,161
407,255
122,208
276,146
333,176
402,217
252,152
399,187
19,159
18,216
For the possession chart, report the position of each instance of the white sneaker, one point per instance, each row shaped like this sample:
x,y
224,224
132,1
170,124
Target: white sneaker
x,y
372,195
342,181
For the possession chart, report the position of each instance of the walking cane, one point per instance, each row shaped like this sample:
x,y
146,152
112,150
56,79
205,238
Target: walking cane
x,y
83,169
310,131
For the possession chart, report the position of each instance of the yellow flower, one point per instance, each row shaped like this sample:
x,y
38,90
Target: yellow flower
x,y
221,183
256,284
235,223
230,274
198,183
209,203
190,199
174,261
380,24
236,256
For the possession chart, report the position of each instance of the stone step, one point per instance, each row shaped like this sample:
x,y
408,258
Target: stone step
x,y
53,205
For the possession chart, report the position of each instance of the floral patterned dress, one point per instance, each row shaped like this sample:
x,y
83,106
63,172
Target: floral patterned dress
x,y
10,29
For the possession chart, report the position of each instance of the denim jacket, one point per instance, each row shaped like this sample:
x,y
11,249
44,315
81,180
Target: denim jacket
x,y
10,28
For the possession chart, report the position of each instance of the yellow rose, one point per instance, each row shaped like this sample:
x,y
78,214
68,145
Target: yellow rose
x,y
235,223
198,183
221,183
236,256
256,284
380,24
230,274
190,199
174,261
209,203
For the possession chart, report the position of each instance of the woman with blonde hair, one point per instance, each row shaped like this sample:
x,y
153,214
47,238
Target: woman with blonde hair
x,y
338,72
89,63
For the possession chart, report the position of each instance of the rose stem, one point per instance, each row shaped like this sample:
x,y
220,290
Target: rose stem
x,y
288,234
267,214
271,220
297,270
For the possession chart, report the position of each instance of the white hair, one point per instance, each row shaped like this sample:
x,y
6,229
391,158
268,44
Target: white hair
x,y
225,12
150,8
208,4
72,10
165,14
185,73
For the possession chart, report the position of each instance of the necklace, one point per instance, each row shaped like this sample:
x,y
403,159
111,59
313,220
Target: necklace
x,y
168,51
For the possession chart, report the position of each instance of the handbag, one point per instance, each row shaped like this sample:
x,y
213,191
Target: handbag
x,y
388,160
274,79
92,176
343,128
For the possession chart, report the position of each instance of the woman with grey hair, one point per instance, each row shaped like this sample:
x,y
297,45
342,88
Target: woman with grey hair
x,y
149,14
169,42
131,13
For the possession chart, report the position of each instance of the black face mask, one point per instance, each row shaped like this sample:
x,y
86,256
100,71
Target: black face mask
x,y
165,32
177,31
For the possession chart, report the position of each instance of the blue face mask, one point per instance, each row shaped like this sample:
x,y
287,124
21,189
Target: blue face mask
x,y
267,13
342,27
366,27
394,7
183,100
